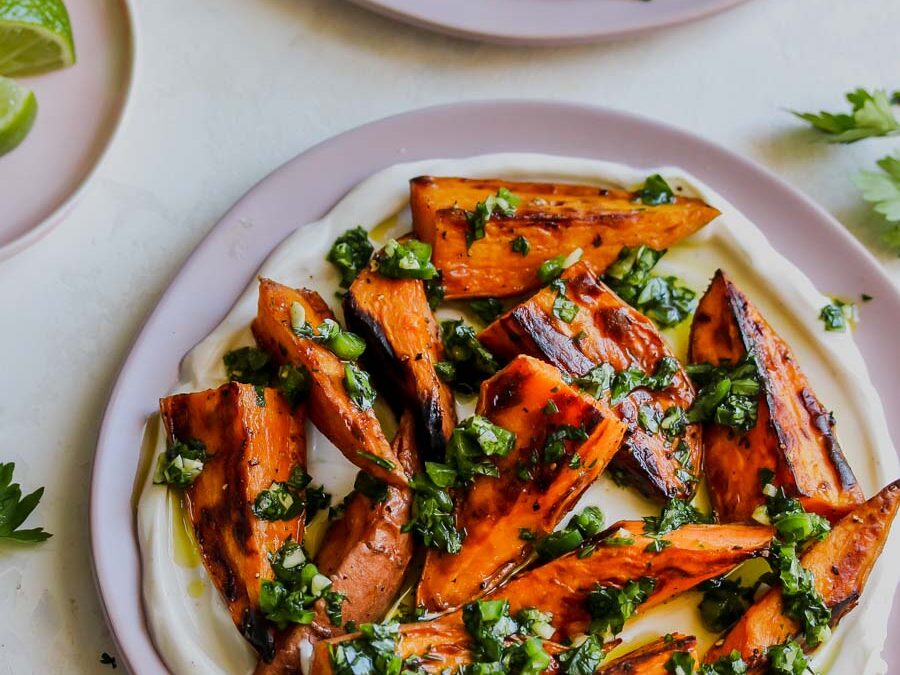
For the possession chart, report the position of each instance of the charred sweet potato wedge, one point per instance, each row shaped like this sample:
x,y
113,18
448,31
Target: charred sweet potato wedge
x,y
356,433
554,218
530,492
696,553
608,330
841,564
794,433
404,343
442,645
252,438
651,659
366,555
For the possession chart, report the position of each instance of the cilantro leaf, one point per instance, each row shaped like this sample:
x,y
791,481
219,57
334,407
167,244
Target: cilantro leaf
x,y
14,508
871,115
882,189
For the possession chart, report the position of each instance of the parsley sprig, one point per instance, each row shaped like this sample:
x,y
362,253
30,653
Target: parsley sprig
x,y
871,115
14,508
882,189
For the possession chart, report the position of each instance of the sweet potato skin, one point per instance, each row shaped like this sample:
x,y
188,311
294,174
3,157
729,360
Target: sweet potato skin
x,y
365,554
494,510
249,446
610,331
841,564
350,429
554,218
404,344
651,659
793,436
696,553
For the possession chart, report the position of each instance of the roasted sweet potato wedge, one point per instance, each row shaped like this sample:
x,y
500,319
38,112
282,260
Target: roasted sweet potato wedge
x,y
554,218
841,564
365,554
530,493
442,645
696,553
252,438
794,433
404,343
356,433
651,659
608,330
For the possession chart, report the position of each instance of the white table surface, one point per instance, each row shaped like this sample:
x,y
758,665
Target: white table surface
x,y
229,89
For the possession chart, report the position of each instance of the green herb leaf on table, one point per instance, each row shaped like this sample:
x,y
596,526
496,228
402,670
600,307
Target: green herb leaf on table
x,y
350,253
15,509
504,202
249,365
871,115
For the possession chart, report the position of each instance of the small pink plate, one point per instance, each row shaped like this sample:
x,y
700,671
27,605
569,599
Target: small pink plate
x,y
79,112
307,187
545,22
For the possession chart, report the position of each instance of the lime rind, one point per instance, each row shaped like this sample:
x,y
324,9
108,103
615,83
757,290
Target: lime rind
x,y
35,36
18,111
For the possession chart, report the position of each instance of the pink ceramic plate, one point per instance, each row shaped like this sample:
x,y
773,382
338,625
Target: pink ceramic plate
x,y
545,22
79,110
305,188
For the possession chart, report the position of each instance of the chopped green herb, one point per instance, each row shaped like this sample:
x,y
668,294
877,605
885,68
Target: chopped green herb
x,y
866,297
371,487
554,445
610,607
551,268
788,659
800,599
435,291
871,115
286,500
409,259
260,396
473,440
663,299
342,343
550,408
525,534
520,245
563,308
249,365
728,394
674,422
649,418
179,465
289,597
469,363
837,315
360,390
350,253
294,383
385,464
792,522
681,663
583,659
656,191
673,515
724,602
585,525
487,309
14,508
432,517
504,202
373,653
620,537
732,664
603,377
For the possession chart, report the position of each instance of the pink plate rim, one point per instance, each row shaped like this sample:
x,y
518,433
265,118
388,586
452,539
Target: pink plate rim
x,y
306,187
546,23
47,224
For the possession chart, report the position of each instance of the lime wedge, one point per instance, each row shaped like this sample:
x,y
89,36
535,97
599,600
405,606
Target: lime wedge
x,y
18,108
35,36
